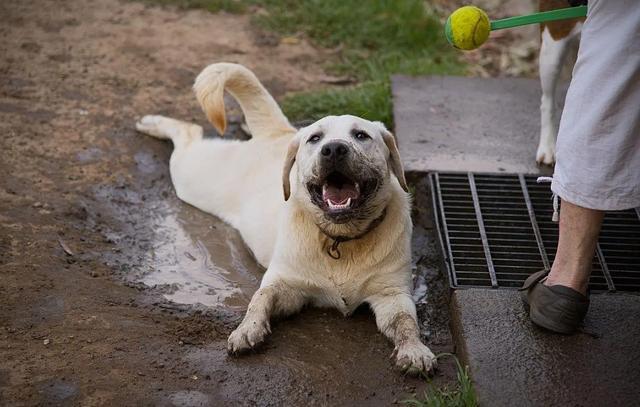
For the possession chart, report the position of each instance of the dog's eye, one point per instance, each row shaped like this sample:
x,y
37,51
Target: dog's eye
x,y
361,135
314,138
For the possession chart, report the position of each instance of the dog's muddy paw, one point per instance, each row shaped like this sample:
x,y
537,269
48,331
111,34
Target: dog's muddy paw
x,y
247,336
415,358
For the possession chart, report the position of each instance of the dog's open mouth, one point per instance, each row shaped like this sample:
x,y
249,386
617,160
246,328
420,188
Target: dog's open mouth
x,y
339,192
339,195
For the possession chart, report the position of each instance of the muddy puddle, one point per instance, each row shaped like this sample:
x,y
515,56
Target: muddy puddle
x,y
200,263
187,255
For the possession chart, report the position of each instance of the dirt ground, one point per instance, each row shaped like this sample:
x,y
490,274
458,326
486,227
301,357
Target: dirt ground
x,y
88,213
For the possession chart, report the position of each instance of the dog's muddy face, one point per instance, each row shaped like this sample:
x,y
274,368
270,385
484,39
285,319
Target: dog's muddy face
x,y
344,167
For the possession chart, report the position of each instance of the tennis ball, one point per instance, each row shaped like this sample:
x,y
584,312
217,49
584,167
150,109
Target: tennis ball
x,y
467,28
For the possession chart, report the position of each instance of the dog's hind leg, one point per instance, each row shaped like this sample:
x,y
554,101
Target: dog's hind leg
x,y
179,132
275,299
396,319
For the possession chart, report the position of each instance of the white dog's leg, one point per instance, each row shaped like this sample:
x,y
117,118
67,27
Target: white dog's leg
x,y
552,56
396,318
179,132
276,299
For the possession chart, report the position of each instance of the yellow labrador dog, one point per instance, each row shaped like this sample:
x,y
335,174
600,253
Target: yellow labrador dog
x,y
323,208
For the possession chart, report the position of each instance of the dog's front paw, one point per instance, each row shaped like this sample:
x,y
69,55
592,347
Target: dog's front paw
x,y
415,358
546,153
247,336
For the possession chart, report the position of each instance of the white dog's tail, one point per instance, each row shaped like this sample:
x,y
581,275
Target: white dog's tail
x,y
262,113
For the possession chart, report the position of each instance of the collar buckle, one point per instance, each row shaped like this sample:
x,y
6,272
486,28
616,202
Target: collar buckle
x,y
334,252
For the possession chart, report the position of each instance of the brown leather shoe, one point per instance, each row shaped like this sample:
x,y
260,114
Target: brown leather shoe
x,y
557,308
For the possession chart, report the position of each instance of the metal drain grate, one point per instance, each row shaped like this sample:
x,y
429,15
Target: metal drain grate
x,y
496,230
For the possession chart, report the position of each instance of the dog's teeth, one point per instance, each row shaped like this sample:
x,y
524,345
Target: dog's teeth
x,y
333,205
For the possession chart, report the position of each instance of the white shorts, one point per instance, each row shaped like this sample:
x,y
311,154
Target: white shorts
x,y
598,148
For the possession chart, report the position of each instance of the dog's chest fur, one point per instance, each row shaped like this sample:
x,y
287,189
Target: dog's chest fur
x,y
367,266
343,282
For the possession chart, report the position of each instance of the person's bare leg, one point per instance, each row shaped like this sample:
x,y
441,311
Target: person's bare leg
x,y
579,230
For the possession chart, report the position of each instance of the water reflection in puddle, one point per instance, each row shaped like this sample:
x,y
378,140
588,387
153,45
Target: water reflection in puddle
x,y
196,258
188,255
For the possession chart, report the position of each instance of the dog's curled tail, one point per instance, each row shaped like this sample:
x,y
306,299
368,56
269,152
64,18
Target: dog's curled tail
x,y
262,113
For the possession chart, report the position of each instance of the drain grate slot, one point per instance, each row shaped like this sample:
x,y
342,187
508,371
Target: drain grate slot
x,y
483,231
496,230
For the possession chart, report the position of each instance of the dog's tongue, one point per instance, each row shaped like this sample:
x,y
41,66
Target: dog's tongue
x,y
339,195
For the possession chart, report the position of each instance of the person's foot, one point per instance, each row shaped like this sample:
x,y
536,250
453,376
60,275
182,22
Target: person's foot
x,y
558,299
573,276
557,308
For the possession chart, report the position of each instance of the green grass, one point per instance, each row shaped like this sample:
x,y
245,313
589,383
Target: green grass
x,y
374,39
370,100
377,37
462,395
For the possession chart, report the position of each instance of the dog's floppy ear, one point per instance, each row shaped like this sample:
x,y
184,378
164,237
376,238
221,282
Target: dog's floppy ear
x,y
292,150
394,156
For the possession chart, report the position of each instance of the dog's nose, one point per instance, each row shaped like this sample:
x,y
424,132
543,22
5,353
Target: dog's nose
x,y
334,151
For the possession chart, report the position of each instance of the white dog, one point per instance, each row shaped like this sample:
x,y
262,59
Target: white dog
x,y
324,209
558,39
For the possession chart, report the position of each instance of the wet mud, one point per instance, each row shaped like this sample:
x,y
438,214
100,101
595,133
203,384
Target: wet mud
x,y
112,291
